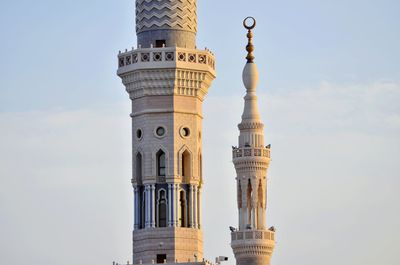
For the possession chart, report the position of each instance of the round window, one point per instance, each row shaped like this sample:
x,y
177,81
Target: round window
x,y
185,132
160,131
139,134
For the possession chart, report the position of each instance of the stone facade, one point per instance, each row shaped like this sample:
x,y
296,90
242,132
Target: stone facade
x,y
167,85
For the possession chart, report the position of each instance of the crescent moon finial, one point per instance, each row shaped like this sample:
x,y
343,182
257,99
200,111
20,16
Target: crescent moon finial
x,y
250,23
247,25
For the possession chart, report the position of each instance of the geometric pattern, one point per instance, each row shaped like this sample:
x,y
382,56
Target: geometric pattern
x,y
170,14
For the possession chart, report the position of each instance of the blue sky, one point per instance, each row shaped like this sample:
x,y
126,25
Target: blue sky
x,y
61,53
329,94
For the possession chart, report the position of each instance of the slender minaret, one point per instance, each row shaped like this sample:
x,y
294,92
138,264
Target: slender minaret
x,y
252,243
167,79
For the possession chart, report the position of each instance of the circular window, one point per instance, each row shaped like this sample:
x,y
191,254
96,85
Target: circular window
x,y
160,131
139,134
185,132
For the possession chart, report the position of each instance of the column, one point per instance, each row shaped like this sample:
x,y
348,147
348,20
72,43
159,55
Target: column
x,y
244,217
240,218
254,218
147,206
195,207
153,205
176,204
254,204
254,211
191,206
170,205
173,205
199,208
136,209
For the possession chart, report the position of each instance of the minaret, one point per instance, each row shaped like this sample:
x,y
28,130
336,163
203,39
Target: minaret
x,y
252,243
167,79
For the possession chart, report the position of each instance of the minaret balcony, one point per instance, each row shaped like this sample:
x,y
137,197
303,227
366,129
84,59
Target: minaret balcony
x,y
238,152
166,57
253,235
253,246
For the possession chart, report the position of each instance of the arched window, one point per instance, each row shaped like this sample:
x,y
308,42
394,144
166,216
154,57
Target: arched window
x,y
186,166
162,209
139,168
183,209
249,196
161,163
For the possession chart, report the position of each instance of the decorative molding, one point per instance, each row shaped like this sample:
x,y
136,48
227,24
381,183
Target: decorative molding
x,y
250,125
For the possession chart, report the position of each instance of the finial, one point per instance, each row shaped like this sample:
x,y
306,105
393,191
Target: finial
x,y
250,23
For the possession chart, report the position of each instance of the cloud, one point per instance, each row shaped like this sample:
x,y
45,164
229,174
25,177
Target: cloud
x,y
65,178
372,108
333,172
65,189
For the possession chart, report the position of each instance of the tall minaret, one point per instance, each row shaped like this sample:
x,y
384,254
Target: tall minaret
x,y
167,79
252,243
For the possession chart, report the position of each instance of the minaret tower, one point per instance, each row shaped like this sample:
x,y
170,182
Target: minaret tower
x,y
252,243
167,79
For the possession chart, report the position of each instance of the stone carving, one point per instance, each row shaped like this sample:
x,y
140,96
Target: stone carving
x,y
157,56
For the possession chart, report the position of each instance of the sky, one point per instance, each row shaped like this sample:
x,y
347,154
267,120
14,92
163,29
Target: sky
x,y
329,96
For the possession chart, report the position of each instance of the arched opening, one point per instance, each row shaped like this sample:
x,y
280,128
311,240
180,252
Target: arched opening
x,y
139,178
249,196
162,209
183,209
161,165
186,167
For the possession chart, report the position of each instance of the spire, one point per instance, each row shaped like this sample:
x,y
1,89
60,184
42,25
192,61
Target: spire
x,y
250,77
252,243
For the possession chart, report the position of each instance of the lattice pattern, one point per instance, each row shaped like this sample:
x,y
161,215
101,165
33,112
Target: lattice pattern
x,y
175,14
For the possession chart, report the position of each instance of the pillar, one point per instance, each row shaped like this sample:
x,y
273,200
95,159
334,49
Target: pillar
x,y
147,206
195,207
136,209
170,205
191,206
176,205
153,205
199,208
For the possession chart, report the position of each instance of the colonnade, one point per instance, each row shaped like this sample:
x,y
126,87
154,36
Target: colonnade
x,y
252,205
182,210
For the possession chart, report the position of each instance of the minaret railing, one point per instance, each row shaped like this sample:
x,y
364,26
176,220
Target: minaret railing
x,y
238,152
253,234
166,54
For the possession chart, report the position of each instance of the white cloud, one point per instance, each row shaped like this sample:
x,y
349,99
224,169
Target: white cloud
x,y
333,173
65,178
